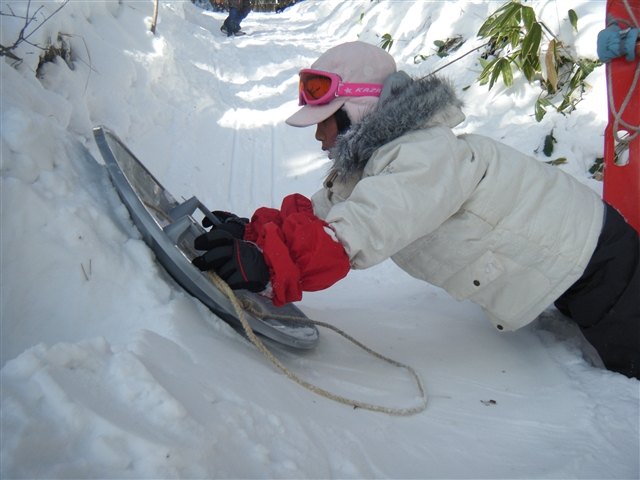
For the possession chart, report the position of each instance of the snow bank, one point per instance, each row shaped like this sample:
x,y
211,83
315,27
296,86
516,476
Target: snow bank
x,y
111,371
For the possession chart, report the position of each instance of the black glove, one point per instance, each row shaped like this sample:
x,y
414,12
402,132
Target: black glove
x,y
239,263
231,223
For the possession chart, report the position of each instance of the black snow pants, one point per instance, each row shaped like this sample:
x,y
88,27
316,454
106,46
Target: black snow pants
x,y
605,301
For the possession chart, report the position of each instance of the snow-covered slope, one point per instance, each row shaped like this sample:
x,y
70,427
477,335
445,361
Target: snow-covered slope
x,y
111,371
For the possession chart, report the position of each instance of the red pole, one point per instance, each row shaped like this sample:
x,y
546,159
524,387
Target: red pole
x,y
622,168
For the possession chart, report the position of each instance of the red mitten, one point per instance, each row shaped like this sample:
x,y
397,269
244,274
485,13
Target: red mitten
x,y
315,250
299,248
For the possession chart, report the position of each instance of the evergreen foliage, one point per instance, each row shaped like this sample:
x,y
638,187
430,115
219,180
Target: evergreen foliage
x,y
516,39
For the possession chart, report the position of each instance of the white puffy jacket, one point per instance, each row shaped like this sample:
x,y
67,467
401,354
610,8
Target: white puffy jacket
x,y
465,213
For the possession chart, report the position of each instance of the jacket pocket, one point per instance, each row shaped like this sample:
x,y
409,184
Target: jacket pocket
x,y
475,277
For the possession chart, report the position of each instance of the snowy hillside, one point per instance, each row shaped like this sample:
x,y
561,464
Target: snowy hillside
x,y
110,370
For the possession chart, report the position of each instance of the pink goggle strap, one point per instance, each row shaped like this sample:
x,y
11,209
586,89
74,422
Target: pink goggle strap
x,y
359,90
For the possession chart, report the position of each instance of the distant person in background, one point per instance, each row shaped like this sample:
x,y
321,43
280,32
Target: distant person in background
x,y
238,11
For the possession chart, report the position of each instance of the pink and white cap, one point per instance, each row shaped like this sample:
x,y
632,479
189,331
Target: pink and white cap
x,y
354,62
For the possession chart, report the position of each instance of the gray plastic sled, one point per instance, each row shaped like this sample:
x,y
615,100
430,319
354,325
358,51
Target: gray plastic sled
x,y
169,229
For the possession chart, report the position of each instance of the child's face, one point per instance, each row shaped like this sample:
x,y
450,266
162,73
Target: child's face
x,y
326,132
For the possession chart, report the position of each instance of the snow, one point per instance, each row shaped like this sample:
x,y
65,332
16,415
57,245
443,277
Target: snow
x,y
110,370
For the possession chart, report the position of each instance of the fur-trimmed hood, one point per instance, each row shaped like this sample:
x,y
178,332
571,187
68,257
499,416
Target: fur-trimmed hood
x,y
413,105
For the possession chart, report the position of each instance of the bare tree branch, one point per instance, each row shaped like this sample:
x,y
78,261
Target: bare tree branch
x,y
22,36
6,52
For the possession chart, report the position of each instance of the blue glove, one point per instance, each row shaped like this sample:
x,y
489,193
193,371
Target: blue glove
x,y
613,42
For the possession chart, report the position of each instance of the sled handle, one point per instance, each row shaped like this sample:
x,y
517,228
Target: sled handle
x,y
188,207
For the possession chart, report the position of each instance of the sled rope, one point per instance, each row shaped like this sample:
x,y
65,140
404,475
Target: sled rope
x,y
633,130
253,310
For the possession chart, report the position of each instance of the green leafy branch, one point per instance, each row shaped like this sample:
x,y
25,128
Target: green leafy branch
x,y
515,39
443,48
387,42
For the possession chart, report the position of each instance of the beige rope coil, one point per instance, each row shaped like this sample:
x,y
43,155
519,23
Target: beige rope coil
x,y
253,310
633,130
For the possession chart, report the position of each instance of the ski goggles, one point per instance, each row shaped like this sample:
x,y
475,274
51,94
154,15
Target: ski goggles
x,y
319,88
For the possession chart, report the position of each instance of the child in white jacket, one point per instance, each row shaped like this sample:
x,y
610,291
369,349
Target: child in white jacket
x,y
462,212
